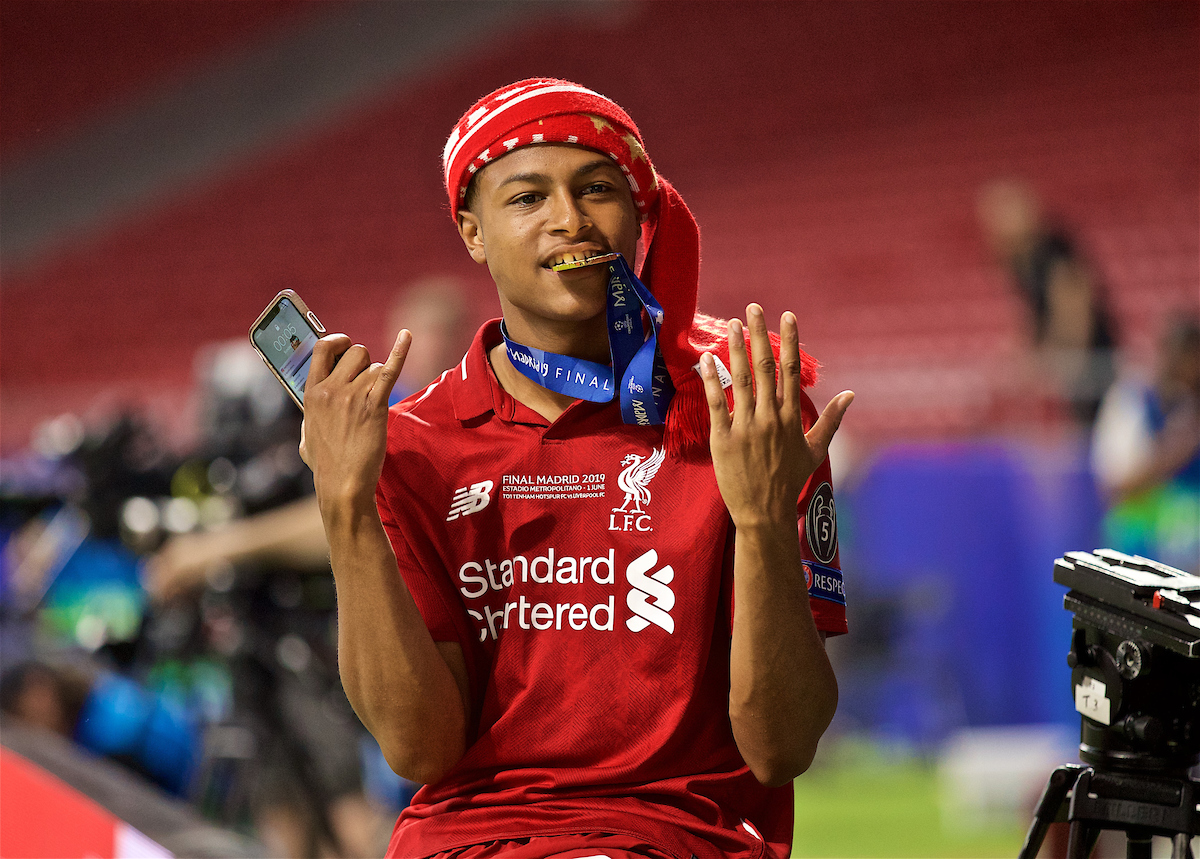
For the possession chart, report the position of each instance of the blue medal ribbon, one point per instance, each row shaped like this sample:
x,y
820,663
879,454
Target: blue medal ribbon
x,y
645,388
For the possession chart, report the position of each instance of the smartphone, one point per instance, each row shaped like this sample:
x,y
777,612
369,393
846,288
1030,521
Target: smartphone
x,y
284,335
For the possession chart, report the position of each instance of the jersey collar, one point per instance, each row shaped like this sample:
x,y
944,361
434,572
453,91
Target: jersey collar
x,y
476,390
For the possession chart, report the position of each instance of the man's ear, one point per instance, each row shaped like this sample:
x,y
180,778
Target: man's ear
x,y
471,231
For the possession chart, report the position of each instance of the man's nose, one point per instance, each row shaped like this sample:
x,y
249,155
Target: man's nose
x,y
566,215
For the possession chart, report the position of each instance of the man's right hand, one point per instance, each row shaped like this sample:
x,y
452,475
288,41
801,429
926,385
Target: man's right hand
x,y
344,435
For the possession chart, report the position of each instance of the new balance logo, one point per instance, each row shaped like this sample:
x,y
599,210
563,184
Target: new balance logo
x,y
649,598
470,499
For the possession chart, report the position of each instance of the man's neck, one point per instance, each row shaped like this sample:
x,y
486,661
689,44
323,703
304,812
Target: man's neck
x,y
587,340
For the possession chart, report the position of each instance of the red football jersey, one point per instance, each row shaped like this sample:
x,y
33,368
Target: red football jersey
x,y
588,578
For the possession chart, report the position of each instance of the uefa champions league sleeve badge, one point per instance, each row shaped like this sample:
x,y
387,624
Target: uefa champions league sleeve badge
x,y
820,525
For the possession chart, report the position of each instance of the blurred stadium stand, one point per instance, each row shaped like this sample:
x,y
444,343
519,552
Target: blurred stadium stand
x,y
168,167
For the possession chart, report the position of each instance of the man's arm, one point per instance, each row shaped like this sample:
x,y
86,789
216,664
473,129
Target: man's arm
x,y
783,692
290,535
409,691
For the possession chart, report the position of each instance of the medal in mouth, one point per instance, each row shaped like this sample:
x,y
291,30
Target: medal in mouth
x,y
579,262
638,375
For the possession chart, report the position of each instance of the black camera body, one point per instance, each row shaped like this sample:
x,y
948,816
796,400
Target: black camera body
x,y
1135,660
1135,674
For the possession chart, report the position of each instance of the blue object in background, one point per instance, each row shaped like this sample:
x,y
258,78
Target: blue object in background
x,y
380,782
96,595
951,547
123,720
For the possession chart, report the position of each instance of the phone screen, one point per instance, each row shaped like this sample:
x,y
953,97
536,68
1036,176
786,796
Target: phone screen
x,y
287,339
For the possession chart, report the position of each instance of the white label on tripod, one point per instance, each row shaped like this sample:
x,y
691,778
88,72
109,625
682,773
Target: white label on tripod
x,y
1091,699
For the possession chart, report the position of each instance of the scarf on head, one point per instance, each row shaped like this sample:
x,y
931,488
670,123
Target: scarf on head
x,y
546,110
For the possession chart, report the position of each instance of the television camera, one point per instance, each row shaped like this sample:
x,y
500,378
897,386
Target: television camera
x,y
1135,672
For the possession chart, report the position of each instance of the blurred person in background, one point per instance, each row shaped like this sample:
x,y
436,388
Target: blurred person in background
x,y
666,705
236,628
72,606
1071,327
43,695
1146,453
150,664
437,306
79,698
287,539
291,533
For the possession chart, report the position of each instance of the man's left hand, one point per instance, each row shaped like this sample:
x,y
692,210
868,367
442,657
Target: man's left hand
x,y
761,453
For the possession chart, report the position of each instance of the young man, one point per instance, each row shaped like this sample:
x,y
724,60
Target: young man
x,y
573,598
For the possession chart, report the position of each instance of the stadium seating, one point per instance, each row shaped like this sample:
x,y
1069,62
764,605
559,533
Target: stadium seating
x,y
831,152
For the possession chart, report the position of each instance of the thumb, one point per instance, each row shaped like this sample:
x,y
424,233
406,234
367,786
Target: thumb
x,y
823,430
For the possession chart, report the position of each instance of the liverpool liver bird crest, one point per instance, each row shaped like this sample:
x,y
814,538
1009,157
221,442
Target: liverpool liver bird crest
x,y
638,472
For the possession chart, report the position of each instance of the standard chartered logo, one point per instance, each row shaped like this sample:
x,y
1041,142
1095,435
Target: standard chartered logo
x,y
539,593
649,598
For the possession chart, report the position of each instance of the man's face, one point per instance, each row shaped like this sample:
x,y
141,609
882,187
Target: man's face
x,y
534,207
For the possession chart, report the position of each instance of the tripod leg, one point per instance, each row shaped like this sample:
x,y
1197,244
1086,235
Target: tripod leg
x,y
1137,844
1181,846
1081,839
1057,787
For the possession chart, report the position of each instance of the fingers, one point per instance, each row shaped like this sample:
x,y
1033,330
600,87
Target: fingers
x,y
714,392
336,356
757,387
739,369
790,369
352,362
389,371
764,358
325,354
822,431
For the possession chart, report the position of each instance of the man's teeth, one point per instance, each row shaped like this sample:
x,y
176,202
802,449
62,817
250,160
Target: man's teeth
x,y
569,261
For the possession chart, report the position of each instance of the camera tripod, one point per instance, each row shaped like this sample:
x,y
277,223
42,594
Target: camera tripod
x,y
1141,805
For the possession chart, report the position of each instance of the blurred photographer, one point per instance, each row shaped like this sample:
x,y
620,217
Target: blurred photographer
x,y
1146,453
251,588
278,550
1071,327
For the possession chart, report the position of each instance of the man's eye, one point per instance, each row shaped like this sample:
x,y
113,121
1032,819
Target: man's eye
x,y
526,199
597,188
